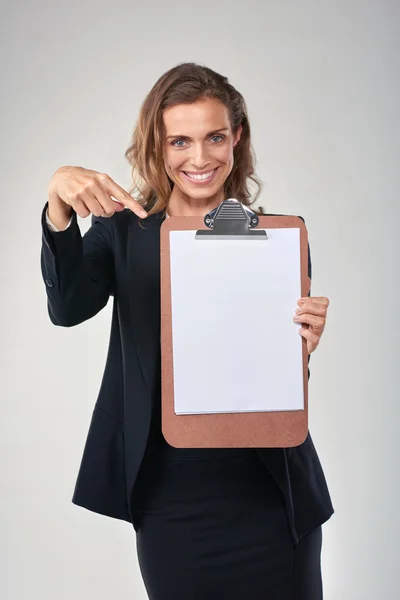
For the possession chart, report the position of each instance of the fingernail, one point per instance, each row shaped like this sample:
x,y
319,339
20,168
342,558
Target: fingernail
x,y
301,301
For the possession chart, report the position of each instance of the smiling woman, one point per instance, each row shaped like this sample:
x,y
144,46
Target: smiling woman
x,y
211,523
191,147
203,160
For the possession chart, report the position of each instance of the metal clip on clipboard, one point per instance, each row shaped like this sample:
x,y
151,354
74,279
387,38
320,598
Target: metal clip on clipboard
x,y
231,218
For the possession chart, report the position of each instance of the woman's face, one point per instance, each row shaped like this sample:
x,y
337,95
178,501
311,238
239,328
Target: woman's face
x,y
199,139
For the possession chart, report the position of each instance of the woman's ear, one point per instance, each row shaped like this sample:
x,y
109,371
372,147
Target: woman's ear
x,y
238,135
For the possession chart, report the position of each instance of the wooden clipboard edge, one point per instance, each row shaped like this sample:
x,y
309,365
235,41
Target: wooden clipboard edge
x,y
249,430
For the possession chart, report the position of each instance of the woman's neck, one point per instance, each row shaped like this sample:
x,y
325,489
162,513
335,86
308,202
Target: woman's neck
x,y
181,205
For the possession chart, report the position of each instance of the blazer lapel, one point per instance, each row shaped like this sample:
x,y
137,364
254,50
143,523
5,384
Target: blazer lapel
x,y
143,262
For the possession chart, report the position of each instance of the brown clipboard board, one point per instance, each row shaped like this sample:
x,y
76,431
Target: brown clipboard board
x,y
270,429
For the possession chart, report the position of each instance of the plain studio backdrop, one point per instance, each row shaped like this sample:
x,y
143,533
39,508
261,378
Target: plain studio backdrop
x,y
321,83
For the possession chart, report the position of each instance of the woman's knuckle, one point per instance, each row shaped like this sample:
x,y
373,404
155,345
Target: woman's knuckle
x,y
103,177
71,196
89,186
80,193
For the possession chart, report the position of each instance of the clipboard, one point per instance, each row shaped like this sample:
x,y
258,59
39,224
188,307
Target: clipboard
x,y
230,222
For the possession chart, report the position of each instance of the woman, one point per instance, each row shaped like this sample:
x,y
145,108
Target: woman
x,y
211,523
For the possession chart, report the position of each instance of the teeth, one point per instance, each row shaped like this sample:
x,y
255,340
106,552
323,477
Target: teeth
x,y
200,177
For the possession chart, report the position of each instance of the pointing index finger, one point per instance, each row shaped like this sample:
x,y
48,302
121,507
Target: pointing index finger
x,y
121,195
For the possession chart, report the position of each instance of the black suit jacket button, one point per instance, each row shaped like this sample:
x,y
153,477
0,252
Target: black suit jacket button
x,y
49,282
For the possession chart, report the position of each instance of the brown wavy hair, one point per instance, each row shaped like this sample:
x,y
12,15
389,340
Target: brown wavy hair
x,y
184,84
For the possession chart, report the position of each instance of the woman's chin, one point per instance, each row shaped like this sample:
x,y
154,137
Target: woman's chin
x,y
202,194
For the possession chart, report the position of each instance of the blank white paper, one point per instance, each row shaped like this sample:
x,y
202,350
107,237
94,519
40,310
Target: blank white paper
x,y
236,347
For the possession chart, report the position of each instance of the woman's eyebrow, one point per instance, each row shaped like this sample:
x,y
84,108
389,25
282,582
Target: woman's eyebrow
x,y
185,137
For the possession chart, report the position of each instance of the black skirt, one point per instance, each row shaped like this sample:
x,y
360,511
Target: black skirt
x,y
213,525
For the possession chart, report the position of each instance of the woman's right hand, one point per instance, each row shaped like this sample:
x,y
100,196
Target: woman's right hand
x,y
89,192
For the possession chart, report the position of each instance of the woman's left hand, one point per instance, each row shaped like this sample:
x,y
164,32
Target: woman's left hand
x,y
312,315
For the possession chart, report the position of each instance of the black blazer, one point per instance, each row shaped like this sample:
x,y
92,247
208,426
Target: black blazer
x,y
118,258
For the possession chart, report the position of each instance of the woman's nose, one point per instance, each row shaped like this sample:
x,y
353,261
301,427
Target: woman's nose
x,y
200,157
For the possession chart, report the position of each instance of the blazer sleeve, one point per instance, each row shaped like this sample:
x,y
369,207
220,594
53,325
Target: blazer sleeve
x,y
78,272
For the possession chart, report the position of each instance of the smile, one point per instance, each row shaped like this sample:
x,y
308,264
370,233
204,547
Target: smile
x,y
200,179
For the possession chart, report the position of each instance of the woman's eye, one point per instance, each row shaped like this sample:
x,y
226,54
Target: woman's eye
x,y
174,142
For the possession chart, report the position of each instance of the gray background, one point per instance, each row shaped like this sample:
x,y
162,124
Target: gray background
x,y
320,79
